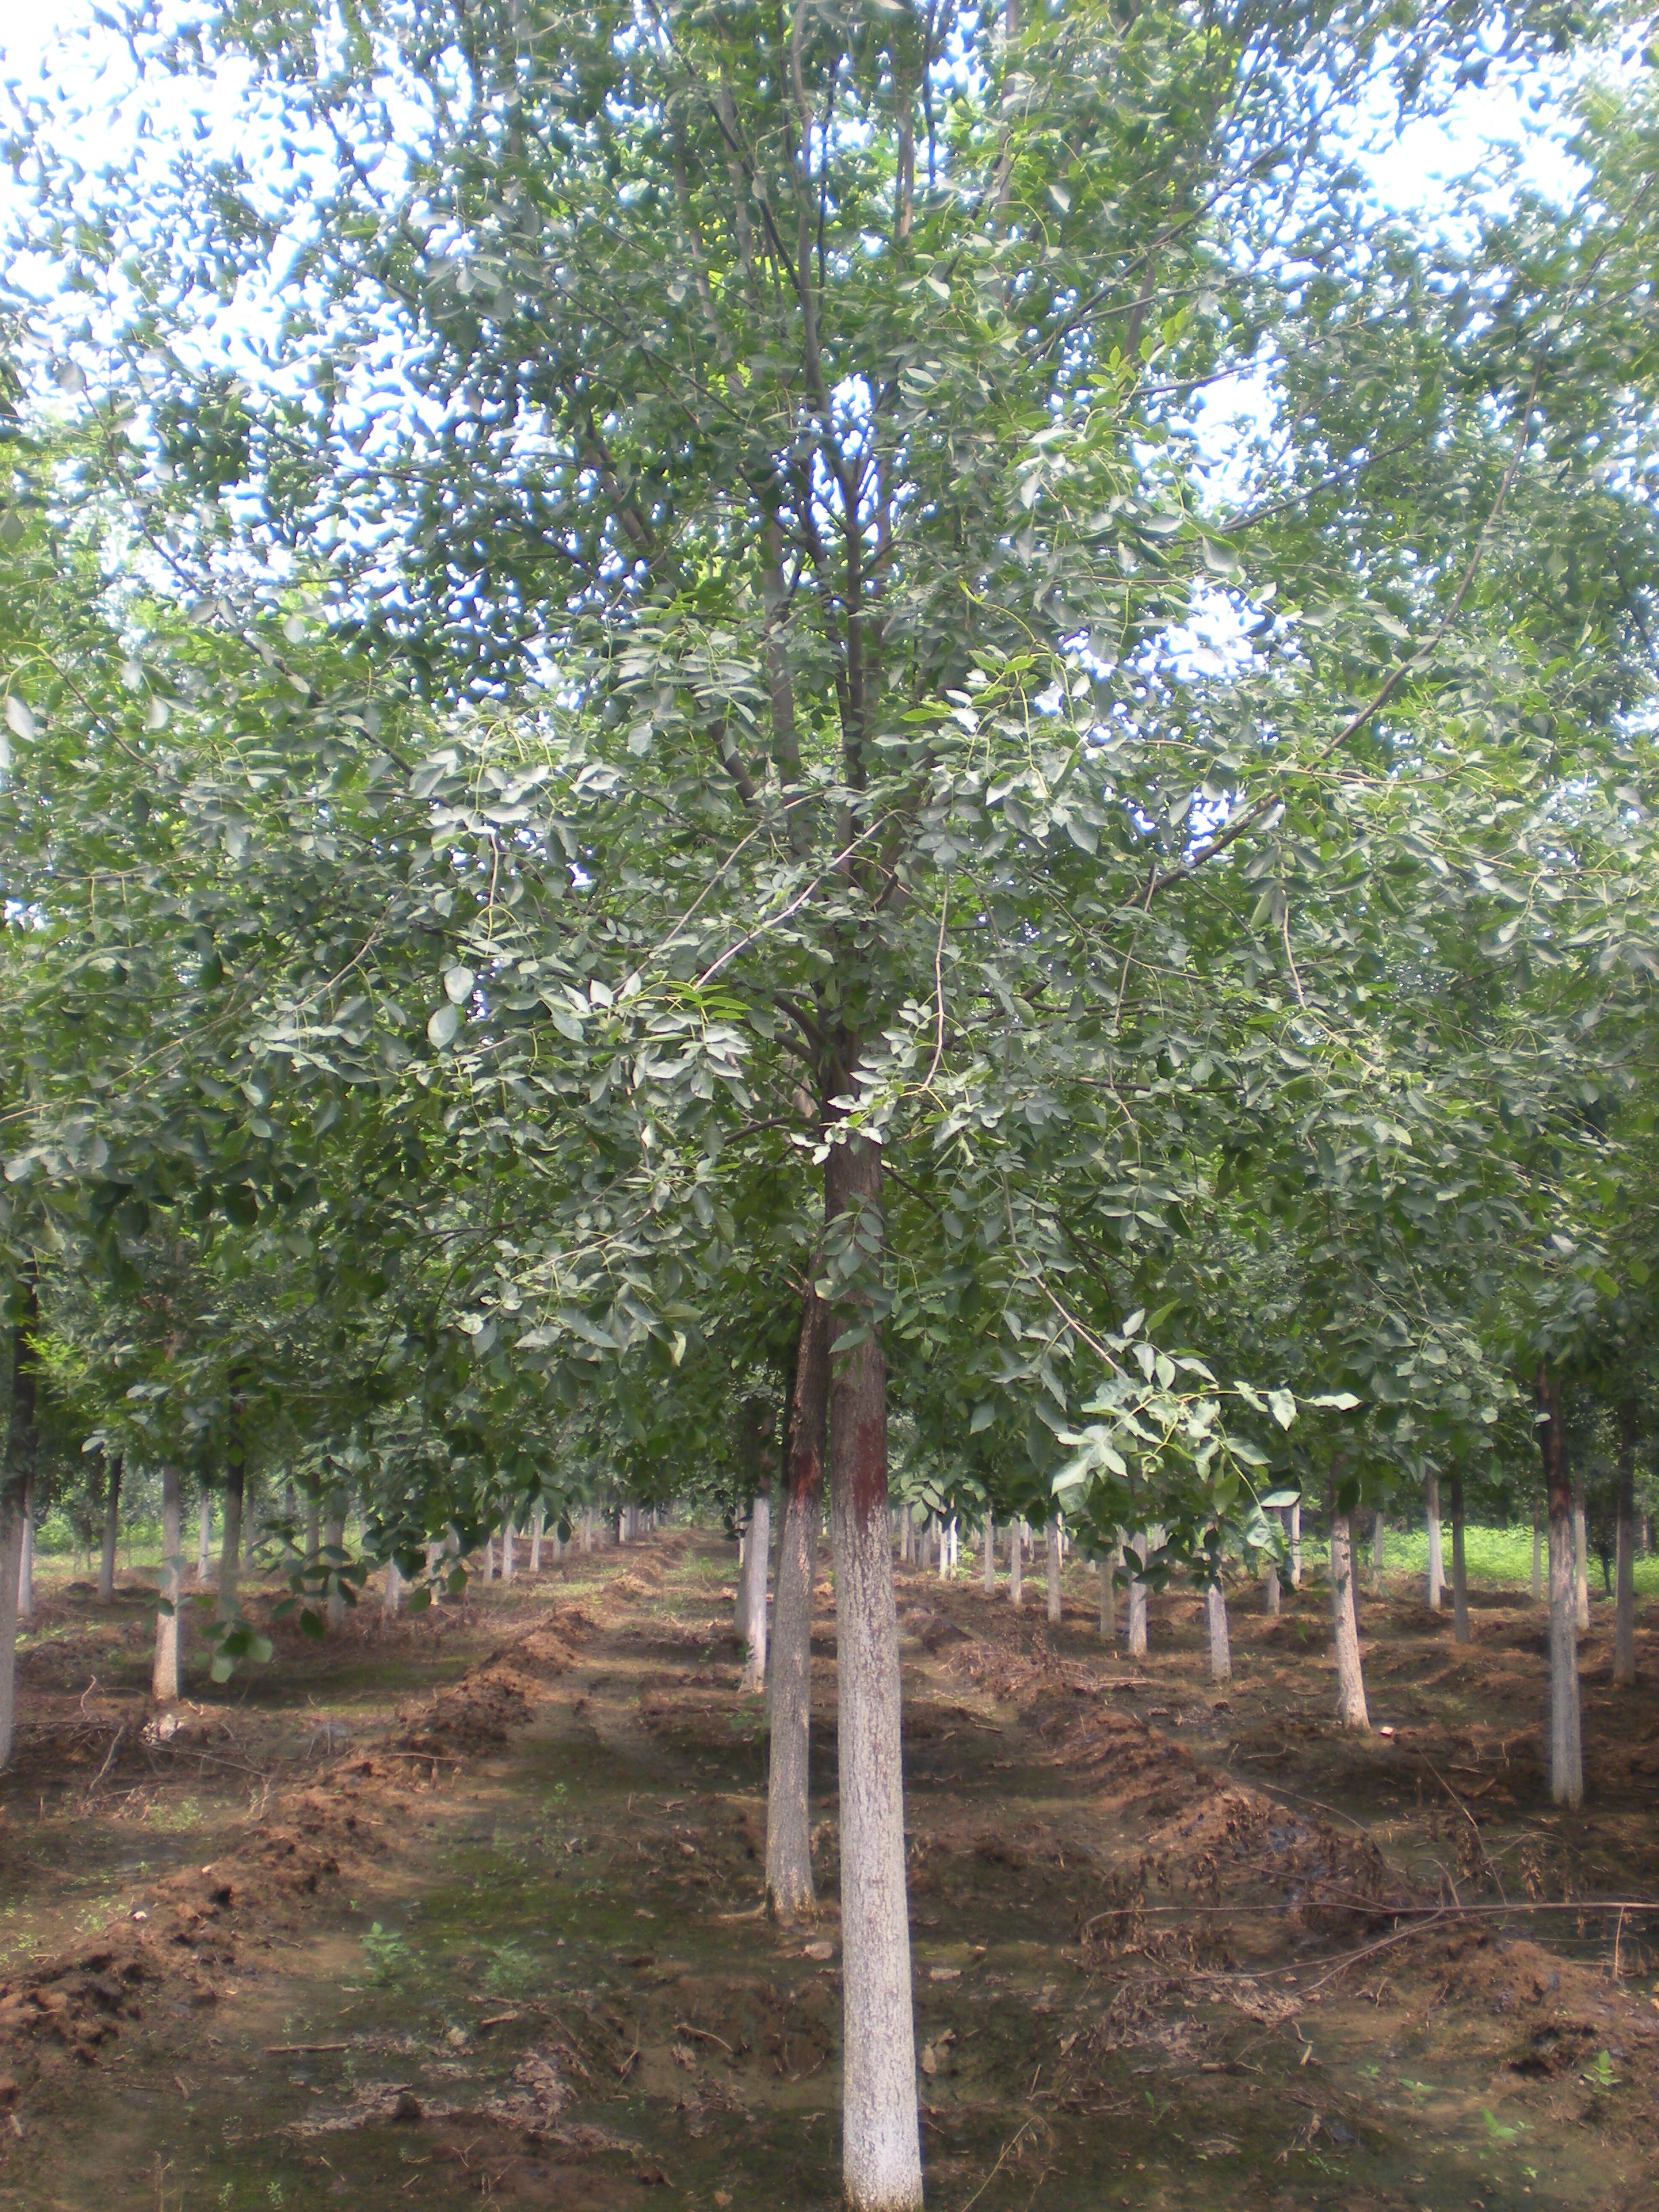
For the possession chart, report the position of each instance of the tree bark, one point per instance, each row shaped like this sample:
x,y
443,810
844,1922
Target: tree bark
x,y
1016,1567
25,1553
334,1544
789,1890
755,1567
313,1528
21,1457
509,1551
230,1540
538,1522
391,1596
1567,1743
1537,1549
1053,1568
1460,1567
1624,1621
988,1565
1221,1653
1270,1590
1137,1645
1436,1557
112,1529
881,2150
1378,1535
1108,1602
1350,1677
204,1541
1580,1557
164,1682
1296,1545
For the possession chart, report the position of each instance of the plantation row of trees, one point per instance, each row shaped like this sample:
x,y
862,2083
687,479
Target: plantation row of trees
x,y
663,801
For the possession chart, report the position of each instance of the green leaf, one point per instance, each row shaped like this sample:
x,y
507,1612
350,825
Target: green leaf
x,y
443,1024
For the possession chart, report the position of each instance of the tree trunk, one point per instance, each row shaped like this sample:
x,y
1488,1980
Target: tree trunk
x,y
22,1453
204,1541
1270,1590
1053,1568
391,1596
755,1567
1566,1745
250,1525
1296,1545
111,1530
1624,1621
789,1890
164,1681
1016,1567
334,1545
1436,1559
1580,1558
881,2150
26,1555
1108,1604
509,1550
988,1565
313,1528
1137,1618
1378,1536
1350,1678
1459,1569
1537,1548
230,1538
538,1522
1221,1654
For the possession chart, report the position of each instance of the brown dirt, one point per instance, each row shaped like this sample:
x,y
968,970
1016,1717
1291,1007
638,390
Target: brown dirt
x,y
479,1919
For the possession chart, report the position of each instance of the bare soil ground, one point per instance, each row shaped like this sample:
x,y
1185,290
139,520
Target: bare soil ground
x,y
466,1910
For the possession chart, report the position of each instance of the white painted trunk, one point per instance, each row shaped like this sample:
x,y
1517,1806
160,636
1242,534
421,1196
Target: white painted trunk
x,y
487,1574
26,1559
755,1567
230,1552
988,1565
538,1522
1378,1536
1350,1678
1270,1590
164,1674
1016,1568
111,1531
1566,1745
881,2152
204,1541
1296,1545
1137,1641
509,1552
334,1544
789,1888
1459,1569
1436,1559
1580,1560
391,1596
1053,1533
1221,1656
11,1552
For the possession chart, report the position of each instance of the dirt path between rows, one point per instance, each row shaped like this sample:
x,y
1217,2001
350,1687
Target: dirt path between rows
x,y
501,1943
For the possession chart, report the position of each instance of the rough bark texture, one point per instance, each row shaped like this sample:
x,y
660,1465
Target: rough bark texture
x,y
111,1530
537,1522
1296,1545
1537,1552
1566,1746
1270,1590
391,1594
1436,1557
1221,1650
1350,1678
509,1552
1623,1623
1379,1533
1460,1567
22,1452
988,1565
1016,1567
881,2149
164,1674
789,1888
1053,1568
1580,1558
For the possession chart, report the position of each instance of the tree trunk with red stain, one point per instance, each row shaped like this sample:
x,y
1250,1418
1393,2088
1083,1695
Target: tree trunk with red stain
x,y
881,2150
